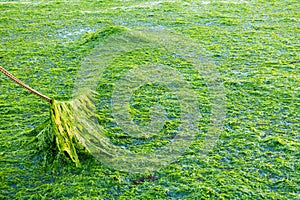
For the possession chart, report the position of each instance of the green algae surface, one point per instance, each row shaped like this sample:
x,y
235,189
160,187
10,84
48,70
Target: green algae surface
x,y
255,45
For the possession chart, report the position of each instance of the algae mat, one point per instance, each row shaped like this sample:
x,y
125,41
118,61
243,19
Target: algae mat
x,y
255,47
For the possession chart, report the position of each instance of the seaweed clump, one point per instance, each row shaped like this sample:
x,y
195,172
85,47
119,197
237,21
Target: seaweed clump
x,y
60,137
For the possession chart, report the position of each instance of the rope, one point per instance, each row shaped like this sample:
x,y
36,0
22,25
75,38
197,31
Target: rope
x,y
9,75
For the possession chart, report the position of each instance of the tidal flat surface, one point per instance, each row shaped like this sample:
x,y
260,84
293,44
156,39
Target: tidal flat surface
x,y
255,47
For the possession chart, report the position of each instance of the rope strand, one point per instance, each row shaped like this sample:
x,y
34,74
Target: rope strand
x,y
9,75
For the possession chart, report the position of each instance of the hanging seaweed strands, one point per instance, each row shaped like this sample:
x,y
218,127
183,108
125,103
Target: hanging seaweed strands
x,y
61,120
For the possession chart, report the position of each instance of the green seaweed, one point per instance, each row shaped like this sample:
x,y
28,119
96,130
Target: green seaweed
x,y
256,48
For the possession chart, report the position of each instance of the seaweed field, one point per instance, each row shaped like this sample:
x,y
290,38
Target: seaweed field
x,y
213,84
